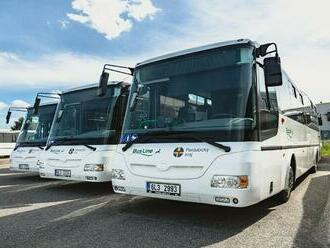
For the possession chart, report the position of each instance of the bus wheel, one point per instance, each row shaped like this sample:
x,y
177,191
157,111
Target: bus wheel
x,y
284,196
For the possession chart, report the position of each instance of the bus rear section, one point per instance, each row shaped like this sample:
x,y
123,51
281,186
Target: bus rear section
x,y
32,138
209,125
85,134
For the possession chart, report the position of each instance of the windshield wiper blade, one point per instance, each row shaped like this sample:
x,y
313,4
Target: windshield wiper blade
x,y
90,147
55,142
152,135
189,136
41,148
63,141
48,146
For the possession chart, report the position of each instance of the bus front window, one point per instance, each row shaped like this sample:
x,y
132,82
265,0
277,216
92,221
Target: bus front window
x,y
36,128
84,118
209,94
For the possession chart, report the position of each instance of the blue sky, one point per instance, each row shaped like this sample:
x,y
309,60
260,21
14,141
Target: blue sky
x,y
47,45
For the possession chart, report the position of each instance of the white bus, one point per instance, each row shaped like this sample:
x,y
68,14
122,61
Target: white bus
x,y
85,133
218,124
7,142
32,138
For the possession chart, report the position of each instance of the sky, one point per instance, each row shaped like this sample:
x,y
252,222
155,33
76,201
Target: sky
x,y
54,45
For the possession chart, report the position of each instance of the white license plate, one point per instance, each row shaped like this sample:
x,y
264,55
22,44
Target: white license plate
x,y
23,167
62,173
164,188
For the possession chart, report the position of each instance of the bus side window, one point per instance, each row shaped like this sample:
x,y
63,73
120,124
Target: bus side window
x,y
268,108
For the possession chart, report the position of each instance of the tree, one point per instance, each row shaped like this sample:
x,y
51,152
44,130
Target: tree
x,y
18,124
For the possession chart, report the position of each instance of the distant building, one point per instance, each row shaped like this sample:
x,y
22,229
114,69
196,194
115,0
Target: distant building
x,y
324,110
7,141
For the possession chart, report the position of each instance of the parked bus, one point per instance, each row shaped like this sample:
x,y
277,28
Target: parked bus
x,y
219,124
32,138
7,142
85,133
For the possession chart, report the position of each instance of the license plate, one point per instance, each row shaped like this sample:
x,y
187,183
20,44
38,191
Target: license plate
x,y
23,166
62,173
164,188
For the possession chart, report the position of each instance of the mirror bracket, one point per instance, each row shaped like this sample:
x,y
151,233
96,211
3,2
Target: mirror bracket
x,y
261,51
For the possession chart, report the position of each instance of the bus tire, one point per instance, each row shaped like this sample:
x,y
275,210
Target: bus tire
x,y
284,196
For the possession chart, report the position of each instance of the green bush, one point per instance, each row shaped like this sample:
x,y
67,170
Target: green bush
x,y
325,152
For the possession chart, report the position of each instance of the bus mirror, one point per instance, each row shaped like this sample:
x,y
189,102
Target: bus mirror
x,y
36,105
320,121
102,89
8,117
273,72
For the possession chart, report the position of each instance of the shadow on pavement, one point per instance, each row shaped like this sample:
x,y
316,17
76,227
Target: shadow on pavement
x,y
84,189
185,224
314,229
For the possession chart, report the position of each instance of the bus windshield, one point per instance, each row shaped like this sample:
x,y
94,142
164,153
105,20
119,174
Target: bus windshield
x,y
209,94
84,118
36,127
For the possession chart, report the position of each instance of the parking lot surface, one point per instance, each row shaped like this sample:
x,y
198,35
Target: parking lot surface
x,y
36,212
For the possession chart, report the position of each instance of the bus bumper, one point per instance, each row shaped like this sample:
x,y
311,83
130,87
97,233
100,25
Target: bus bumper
x,y
24,166
76,174
191,191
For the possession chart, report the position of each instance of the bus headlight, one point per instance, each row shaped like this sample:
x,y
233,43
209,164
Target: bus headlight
x,y
93,167
234,182
117,174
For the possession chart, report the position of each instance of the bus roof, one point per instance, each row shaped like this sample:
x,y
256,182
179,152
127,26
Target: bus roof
x,y
87,86
44,104
198,49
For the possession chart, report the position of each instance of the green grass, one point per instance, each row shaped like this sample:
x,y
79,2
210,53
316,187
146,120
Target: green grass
x,y
325,152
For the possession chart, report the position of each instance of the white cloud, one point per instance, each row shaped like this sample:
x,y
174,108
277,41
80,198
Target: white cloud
x,y
55,71
3,105
15,115
19,104
300,28
111,17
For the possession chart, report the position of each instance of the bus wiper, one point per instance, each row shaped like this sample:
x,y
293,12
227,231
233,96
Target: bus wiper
x,y
189,136
152,135
55,142
49,145
90,147
63,141
21,145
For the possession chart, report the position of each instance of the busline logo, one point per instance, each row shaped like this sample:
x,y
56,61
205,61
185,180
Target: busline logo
x,y
178,152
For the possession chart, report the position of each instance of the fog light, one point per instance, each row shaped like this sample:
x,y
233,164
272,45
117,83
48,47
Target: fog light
x,y
235,200
93,167
236,182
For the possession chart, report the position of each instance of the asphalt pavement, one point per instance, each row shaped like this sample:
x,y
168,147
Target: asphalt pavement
x,y
37,212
